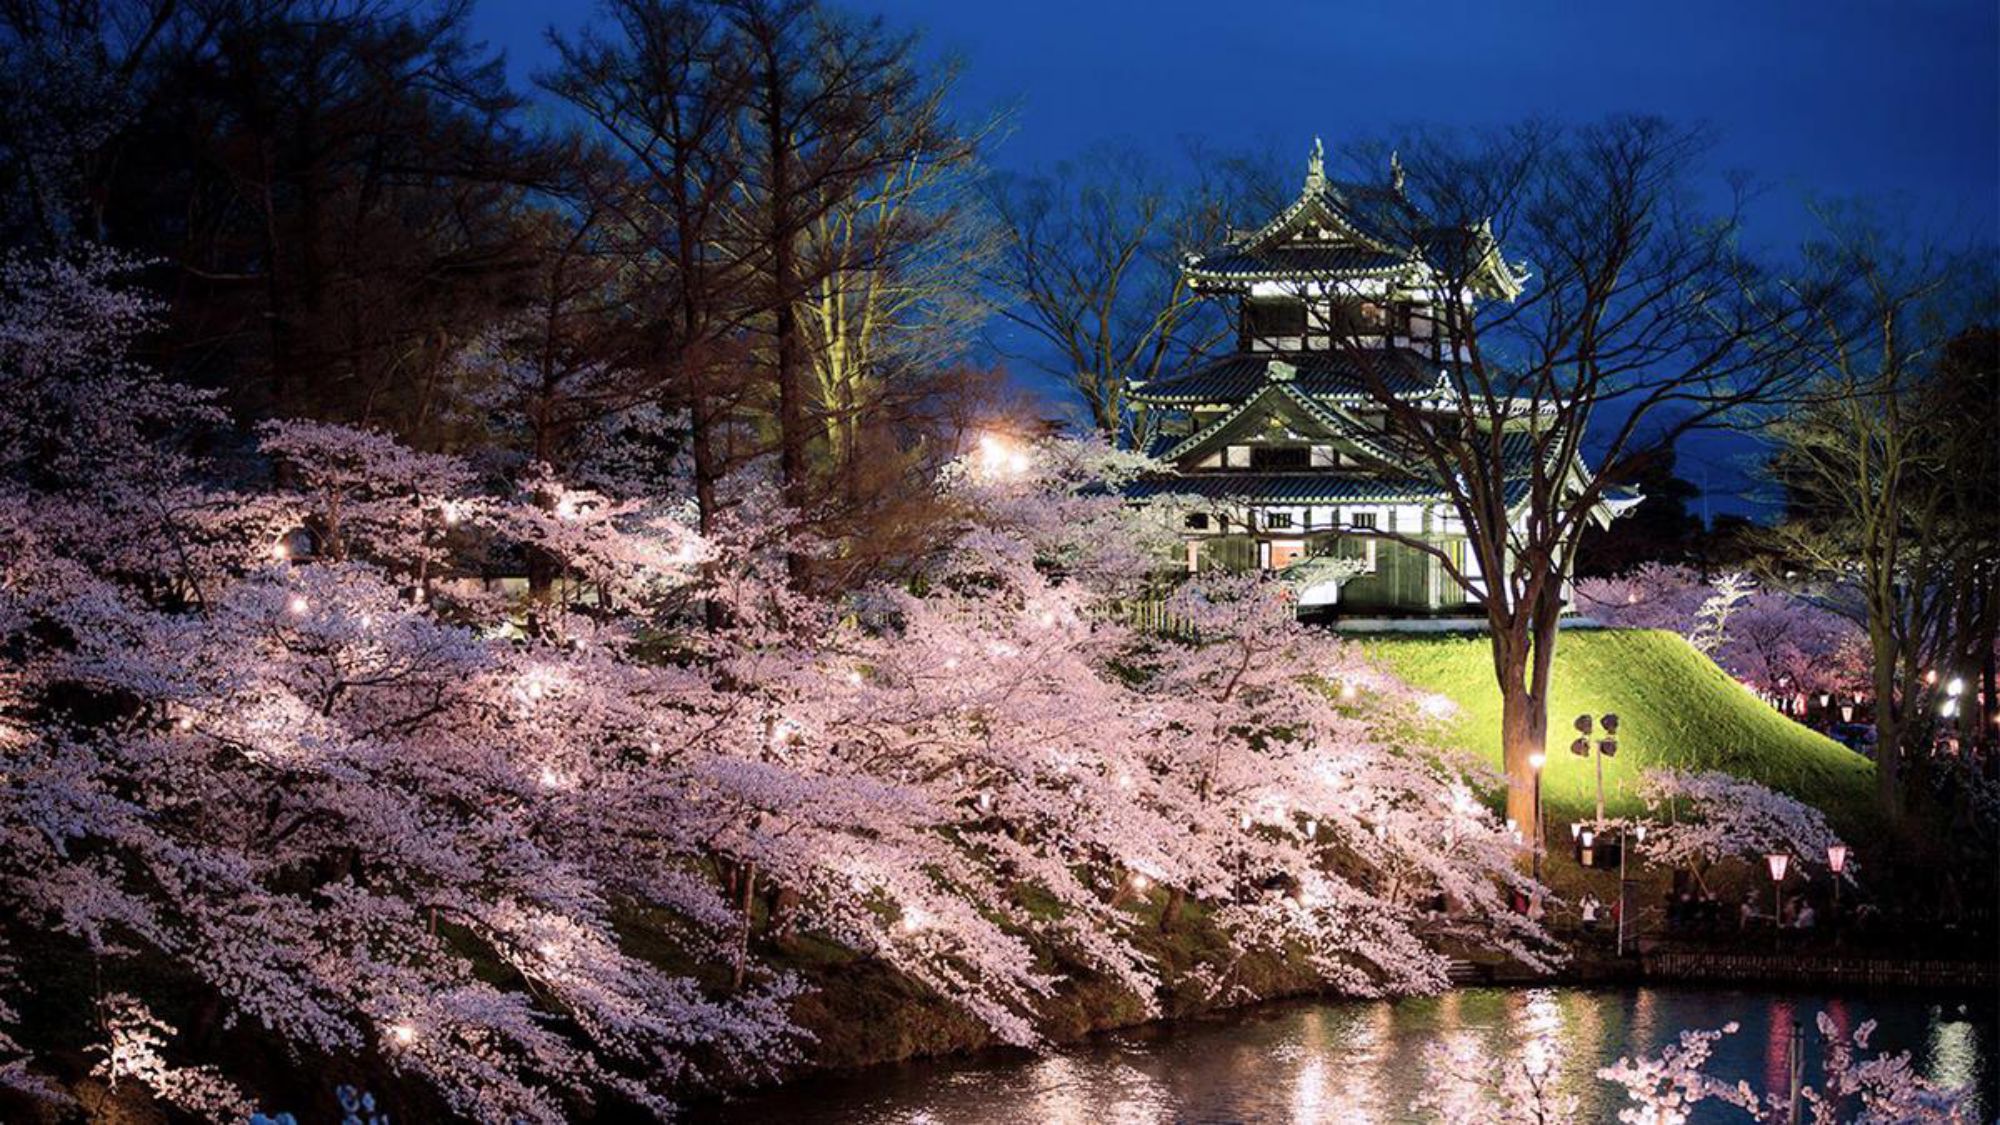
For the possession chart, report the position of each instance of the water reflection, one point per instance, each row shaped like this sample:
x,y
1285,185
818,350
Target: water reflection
x,y
1365,1062
1955,1055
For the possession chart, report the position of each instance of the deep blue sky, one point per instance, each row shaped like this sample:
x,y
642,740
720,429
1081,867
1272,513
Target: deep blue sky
x,y
1886,98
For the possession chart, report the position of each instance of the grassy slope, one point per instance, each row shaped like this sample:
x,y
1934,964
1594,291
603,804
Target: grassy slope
x,y
1677,709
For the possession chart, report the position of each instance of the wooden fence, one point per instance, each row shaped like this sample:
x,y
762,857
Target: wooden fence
x,y
1150,615
1824,969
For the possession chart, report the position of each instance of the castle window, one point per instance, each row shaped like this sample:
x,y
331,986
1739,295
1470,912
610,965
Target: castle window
x,y
1277,520
1278,457
1362,520
1269,319
1358,318
1197,521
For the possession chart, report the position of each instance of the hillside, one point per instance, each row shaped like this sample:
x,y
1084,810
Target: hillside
x,y
1677,709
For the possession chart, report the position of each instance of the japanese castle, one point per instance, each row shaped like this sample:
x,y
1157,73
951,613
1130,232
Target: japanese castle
x,y
1282,449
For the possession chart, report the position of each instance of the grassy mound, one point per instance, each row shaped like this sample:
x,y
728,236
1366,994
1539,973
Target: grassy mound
x,y
1676,709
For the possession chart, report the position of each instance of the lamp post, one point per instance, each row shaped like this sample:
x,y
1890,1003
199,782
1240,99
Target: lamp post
x,y
1606,747
1777,862
1836,862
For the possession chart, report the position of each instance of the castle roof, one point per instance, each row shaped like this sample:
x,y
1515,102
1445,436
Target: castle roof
x,y
1343,375
1339,230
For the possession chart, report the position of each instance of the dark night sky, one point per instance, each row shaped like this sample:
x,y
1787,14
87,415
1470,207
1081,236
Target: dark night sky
x,y
1887,98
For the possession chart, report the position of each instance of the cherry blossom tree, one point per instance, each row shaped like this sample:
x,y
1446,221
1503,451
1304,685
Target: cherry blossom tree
x,y
266,740
1778,642
1876,1090
1652,596
1711,817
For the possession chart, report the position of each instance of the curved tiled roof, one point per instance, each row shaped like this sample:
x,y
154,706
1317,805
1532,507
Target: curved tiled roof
x,y
1318,487
1292,259
1328,375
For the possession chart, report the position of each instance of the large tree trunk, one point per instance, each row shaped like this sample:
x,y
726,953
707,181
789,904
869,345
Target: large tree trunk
x,y
784,291
1170,914
1524,731
1888,722
1523,651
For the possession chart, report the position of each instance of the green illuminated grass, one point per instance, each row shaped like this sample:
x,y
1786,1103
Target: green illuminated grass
x,y
1676,708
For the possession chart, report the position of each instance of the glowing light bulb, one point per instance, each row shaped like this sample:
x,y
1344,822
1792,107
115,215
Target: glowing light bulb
x,y
1537,760
280,551
403,1033
914,920
450,514
1140,882
184,722
297,605
1347,689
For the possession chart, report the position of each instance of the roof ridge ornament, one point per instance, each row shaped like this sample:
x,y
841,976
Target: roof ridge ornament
x,y
1395,172
1316,167
1278,371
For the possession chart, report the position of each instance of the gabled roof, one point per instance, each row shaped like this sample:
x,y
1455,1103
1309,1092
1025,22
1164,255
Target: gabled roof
x,y
1282,398
1374,231
1336,376
1347,484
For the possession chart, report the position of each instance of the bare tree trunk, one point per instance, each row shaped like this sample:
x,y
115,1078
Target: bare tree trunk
x,y
784,291
1888,722
1524,732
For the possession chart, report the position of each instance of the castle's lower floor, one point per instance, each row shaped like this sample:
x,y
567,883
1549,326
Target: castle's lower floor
x,y
1346,573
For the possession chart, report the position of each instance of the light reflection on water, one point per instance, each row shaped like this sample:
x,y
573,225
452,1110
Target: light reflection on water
x,y
1363,1062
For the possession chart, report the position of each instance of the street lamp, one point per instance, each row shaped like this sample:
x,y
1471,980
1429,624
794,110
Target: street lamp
x,y
1778,862
1836,862
1606,747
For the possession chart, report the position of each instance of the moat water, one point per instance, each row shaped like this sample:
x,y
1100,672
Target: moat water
x,y
1365,1062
